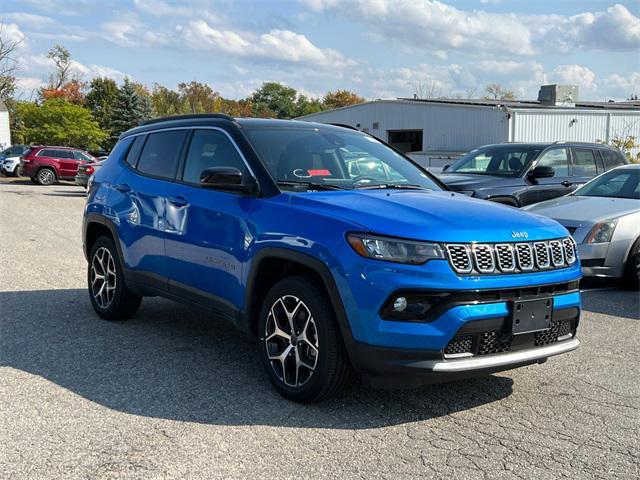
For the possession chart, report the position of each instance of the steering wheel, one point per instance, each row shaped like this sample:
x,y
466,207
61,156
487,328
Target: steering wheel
x,y
363,179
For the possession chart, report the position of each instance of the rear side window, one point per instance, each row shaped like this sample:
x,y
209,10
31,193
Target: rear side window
x,y
161,153
612,158
584,162
47,153
121,148
210,148
132,156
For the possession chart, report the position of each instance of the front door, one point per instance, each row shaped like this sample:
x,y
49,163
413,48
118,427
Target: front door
x,y
561,183
207,233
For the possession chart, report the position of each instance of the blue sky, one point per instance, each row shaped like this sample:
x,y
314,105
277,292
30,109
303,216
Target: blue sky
x,y
378,48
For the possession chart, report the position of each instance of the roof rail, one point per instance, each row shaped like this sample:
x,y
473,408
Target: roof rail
x,y
344,125
189,117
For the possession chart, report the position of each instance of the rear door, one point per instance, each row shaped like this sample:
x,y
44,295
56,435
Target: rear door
x,y
140,199
584,165
561,183
67,163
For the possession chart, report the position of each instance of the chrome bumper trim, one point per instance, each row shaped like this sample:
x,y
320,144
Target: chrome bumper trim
x,y
503,359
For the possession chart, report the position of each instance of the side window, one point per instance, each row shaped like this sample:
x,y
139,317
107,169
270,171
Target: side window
x,y
64,154
611,158
121,148
584,162
132,156
210,148
556,159
161,153
47,153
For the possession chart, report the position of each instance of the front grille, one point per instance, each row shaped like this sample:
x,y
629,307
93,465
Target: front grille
x,y
491,342
494,342
485,258
458,345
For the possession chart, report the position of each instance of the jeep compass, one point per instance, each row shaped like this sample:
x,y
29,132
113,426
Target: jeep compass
x,y
335,251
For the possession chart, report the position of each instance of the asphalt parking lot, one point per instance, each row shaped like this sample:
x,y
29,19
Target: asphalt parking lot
x,y
171,394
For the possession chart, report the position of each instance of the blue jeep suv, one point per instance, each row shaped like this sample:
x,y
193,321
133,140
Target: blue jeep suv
x,y
335,251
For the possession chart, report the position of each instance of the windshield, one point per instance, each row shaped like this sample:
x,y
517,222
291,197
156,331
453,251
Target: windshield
x,y
623,183
504,160
303,158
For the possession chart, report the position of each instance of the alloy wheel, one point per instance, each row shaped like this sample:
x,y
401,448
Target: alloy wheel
x,y
45,176
103,277
638,266
291,340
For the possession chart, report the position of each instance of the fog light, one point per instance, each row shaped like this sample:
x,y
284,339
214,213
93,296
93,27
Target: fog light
x,y
400,304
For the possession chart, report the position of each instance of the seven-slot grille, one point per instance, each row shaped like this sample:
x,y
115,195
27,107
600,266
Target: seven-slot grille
x,y
485,258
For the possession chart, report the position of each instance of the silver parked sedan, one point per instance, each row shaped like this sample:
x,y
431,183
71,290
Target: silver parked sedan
x,y
604,218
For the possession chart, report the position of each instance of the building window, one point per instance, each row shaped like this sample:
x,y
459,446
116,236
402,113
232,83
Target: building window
x,y
406,140
376,125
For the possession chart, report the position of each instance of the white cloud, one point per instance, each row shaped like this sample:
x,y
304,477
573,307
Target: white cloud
x,y
575,75
436,25
159,8
12,33
276,45
127,31
621,86
33,20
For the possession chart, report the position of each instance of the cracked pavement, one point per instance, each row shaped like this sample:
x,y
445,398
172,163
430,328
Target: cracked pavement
x,y
172,394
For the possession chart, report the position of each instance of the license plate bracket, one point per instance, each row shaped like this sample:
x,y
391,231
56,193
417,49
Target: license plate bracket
x,y
529,316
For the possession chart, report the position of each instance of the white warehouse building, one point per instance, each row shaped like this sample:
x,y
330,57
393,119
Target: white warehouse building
x,y
436,130
5,132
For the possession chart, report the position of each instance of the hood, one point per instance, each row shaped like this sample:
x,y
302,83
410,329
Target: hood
x,y
426,215
574,210
461,181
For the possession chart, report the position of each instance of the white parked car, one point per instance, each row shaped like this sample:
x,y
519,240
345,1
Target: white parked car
x,y
603,216
10,159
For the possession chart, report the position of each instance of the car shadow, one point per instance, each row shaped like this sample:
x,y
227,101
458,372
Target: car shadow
x,y
611,299
62,193
171,361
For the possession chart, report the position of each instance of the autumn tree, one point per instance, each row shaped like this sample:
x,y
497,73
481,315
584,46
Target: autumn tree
x,y
103,93
63,82
165,101
495,91
341,98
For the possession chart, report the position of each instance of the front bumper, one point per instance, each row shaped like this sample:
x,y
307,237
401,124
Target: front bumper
x,y
603,259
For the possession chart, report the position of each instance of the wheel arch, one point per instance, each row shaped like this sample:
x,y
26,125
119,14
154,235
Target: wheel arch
x,y
271,264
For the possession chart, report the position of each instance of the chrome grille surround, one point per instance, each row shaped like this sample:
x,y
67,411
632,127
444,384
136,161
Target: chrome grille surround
x,y
483,258
569,250
557,253
459,257
541,254
524,255
506,258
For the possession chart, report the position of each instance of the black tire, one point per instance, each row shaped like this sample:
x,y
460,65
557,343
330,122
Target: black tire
x,y
632,268
45,176
332,370
121,303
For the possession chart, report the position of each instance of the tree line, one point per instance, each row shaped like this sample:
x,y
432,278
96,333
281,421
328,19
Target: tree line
x,y
69,111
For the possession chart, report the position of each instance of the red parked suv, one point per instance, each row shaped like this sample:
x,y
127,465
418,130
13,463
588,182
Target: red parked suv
x,y
45,165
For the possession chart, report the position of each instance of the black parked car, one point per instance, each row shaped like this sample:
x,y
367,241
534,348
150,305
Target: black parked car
x,y
519,174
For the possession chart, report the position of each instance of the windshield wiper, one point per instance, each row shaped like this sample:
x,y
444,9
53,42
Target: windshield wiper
x,y
309,185
396,186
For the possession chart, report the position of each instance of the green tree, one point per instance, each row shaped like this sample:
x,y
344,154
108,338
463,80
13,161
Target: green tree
x,y
102,95
130,109
341,98
274,99
306,105
58,122
199,98
165,101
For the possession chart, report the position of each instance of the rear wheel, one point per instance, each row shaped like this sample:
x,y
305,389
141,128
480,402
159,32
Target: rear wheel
x,y
110,297
632,268
300,345
45,176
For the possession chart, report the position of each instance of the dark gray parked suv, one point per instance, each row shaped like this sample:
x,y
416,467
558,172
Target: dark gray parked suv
x,y
519,174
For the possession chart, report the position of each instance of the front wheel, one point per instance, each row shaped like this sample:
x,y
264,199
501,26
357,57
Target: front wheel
x,y
110,297
300,345
632,268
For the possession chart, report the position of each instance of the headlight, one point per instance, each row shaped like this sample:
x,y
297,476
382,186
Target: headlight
x,y
601,232
468,193
394,249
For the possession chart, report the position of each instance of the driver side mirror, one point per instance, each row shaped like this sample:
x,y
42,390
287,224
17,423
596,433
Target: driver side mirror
x,y
541,171
225,178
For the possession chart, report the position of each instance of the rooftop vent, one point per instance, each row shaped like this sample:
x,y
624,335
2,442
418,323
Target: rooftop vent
x,y
558,95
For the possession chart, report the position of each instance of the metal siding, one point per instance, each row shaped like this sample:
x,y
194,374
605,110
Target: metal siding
x,y
445,128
